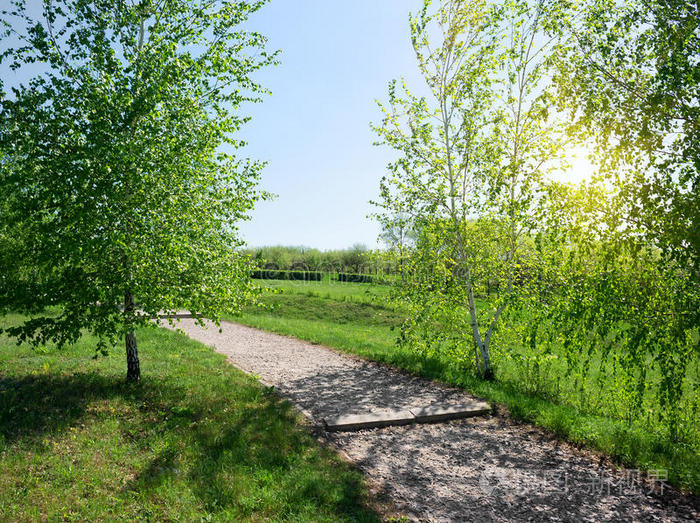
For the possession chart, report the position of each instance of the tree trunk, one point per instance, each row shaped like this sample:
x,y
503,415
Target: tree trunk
x,y
133,368
482,346
487,373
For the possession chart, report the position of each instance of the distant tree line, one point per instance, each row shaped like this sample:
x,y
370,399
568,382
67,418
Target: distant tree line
x,y
360,264
357,259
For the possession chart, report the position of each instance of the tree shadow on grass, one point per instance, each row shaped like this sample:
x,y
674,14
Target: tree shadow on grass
x,y
33,406
245,456
256,463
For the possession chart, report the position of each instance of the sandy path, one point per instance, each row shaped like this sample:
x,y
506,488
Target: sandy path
x,y
479,469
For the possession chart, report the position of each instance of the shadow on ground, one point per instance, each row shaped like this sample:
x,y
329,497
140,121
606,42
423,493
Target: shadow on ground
x,y
492,469
241,459
41,405
486,468
366,387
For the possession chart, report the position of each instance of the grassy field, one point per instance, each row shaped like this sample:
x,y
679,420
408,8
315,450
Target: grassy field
x,y
358,318
196,440
330,289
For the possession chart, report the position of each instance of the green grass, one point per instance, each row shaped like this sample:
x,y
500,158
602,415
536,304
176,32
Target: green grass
x,y
360,322
196,440
352,292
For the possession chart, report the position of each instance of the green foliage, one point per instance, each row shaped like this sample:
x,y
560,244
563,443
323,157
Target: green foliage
x,y
301,263
118,182
631,85
355,259
624,285
196,440
597,289
611,317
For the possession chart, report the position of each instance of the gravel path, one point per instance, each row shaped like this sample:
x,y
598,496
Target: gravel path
x,y
479,469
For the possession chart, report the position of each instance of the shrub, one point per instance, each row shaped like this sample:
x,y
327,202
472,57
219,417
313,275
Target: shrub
x,y
272,274
354,278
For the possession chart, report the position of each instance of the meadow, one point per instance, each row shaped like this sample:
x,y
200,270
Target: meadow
x,y
362,319
197,439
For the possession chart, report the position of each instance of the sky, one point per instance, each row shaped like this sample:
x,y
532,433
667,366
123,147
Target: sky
x,y
314,130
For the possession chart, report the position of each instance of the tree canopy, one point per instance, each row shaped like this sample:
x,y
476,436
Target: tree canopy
x,y
595,282
631,85
120,188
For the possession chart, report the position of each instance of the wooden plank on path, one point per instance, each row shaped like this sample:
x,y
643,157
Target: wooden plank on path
x,y
370,420
437,413
388,418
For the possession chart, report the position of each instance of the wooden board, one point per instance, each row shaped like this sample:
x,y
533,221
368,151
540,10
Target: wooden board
x,y
371,420
387,418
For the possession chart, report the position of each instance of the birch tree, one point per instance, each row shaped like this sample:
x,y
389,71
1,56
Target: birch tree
x,y
630,83
473,150
118,166
632,86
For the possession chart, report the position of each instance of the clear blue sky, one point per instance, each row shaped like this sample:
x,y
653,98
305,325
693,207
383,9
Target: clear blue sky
x,y
337,59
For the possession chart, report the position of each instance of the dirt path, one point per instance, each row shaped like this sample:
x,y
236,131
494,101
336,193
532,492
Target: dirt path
x,y
479,469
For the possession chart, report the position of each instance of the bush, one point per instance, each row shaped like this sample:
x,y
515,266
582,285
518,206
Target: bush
x,y
272,274
354,278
